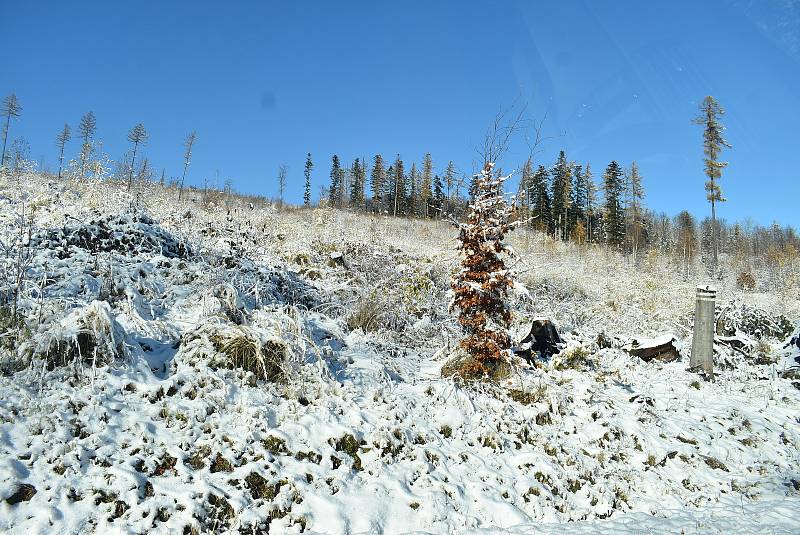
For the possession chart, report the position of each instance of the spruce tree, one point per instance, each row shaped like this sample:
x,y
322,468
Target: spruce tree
x,y
334,196
562,182
614,216
61,141
398,194
412,201
578,199
481,287
137,136
426,189
438,199
713,143
378,182
635,209
686,229
86,130
11,108
357,185
540,201
591,203
524,193
307,187
449,181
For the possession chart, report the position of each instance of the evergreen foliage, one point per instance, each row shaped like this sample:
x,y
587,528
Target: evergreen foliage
x,y
307,186
481,286
337,177
613,216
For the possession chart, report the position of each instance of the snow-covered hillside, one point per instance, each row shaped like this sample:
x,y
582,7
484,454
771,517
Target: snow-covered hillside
x,y
214,366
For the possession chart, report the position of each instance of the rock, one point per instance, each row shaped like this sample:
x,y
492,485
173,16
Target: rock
x,y
542,339
24,493
336,259
661,348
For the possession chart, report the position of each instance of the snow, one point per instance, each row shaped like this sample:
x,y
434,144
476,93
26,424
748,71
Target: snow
x,y
605,444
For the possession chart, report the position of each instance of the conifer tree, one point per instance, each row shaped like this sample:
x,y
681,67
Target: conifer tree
x,y
614,217
438,197
307,173
481,286
686,229
86,129
449,181
412,201
398,194
635,208
145,173
187,159
591,203
578,199
337,176
61,141
357,185
426,192
562,181
378,182
540,201
11,108
525,190
137,136
713,143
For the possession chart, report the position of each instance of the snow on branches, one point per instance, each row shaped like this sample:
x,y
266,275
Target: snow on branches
x,y
481,286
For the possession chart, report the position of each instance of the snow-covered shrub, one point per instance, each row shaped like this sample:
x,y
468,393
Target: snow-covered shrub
x,y
89,336
271,347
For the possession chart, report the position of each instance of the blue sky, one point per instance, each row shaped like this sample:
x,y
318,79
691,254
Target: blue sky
x,y
264,82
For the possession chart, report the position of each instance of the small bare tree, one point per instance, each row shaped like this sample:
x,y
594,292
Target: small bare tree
x,y
61,140
137,136
282,172
11,108
187,158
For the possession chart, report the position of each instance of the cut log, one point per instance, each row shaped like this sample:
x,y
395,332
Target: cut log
x,y
661,348
542,339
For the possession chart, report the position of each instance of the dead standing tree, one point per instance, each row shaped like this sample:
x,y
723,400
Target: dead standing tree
x,y
137,136
187,159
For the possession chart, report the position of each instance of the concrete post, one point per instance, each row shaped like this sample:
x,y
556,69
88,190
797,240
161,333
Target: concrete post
x,y
703,333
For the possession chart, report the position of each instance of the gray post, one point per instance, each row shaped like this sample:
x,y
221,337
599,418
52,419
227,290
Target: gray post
x,y
703,334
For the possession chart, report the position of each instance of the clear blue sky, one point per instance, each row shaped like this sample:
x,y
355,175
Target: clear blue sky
x,y
265,82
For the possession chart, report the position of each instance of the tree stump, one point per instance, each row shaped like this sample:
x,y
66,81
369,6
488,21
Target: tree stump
x,y
542,339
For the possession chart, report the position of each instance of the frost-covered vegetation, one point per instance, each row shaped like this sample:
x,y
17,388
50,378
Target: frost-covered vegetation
x,y
215,364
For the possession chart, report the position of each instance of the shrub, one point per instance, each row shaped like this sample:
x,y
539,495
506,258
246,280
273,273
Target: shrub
x,y
745,281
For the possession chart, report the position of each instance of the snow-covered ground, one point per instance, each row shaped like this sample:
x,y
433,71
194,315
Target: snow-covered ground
x,y
121,410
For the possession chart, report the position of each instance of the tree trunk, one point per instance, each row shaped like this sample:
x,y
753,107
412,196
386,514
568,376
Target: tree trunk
x,y
5,137
60,161
713,238
133,164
